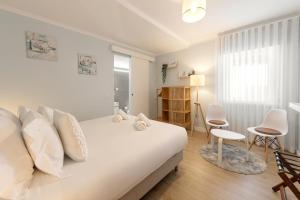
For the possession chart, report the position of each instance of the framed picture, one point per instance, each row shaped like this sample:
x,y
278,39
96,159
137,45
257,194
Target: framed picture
x,y
87,64
40,46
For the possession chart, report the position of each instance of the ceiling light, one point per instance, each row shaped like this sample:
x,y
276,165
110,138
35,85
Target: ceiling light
x,y
193,10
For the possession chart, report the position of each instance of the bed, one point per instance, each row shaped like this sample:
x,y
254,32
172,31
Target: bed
x,y
123,163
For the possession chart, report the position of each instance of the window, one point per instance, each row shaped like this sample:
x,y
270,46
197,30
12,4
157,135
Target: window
x,y
249,76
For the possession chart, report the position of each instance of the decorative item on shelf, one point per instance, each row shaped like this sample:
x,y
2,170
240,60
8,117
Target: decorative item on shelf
x,y
87,64
193,10
192,73
197,81
185,75
164,72
40,46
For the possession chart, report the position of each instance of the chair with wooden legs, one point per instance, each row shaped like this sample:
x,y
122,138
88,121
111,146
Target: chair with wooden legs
x,y
215,118
274,125
288,170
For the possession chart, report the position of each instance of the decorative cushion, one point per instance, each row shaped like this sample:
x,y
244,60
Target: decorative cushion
x,y
267,131
217,122
71,134
47,112
43,144
16,165
10,115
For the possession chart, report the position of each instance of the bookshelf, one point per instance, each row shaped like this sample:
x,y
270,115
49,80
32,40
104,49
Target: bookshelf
x,y
176,105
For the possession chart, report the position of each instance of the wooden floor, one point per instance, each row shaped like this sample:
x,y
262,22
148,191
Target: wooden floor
x,y
197,179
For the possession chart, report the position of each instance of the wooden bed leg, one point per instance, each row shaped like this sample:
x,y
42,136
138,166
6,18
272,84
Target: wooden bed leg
x,y
176,169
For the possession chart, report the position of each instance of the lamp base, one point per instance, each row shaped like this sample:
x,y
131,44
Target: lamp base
x,y
197,109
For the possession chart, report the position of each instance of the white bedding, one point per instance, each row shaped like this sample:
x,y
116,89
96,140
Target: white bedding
x,y
119,158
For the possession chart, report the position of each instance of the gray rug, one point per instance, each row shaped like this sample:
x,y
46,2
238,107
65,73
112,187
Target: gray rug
x,y
234,159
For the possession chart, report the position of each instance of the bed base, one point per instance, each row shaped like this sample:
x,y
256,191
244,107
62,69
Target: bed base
x,y
155,177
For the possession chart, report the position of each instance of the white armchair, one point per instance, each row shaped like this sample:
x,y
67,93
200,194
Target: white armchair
x,y
274,125
216,117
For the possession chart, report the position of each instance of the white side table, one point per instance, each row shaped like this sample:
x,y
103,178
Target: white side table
x,y
227,135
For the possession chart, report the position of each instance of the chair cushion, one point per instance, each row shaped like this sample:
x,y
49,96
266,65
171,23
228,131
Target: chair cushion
x,y
217,122
267,131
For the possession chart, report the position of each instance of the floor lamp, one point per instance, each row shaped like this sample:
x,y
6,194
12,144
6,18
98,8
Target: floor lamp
x,y
197,81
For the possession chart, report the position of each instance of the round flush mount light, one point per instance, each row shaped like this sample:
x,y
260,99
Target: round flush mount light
x,y
193,10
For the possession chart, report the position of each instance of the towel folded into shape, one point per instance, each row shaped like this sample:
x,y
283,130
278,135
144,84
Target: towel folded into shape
x,y
142,117
123,114
117,118
140,125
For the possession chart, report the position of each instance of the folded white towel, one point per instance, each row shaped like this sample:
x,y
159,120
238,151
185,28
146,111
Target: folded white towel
x,y
143,117
117,118
123,114
140,125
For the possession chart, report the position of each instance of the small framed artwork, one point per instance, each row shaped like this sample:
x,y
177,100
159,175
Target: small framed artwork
x,y
87,64
40,46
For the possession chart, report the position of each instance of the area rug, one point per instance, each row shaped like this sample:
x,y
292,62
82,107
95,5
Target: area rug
x,y
234,159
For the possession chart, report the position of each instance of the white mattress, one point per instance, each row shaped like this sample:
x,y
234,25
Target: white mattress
x,y
119,158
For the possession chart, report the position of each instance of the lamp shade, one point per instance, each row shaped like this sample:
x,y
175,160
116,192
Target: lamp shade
x,y
193,10
197,80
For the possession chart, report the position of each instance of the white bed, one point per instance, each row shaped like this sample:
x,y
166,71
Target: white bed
x,y
119,159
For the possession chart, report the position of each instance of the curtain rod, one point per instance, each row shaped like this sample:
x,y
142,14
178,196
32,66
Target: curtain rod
x,y
268,21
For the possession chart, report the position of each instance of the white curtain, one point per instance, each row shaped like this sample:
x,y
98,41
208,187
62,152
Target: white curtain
x,y
258,69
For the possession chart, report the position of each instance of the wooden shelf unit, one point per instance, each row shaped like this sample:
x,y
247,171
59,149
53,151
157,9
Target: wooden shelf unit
x,y
176,106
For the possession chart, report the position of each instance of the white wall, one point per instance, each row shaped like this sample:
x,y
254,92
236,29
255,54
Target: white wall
x,y
30,82
201,57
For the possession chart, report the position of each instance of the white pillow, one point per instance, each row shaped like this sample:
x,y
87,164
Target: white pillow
x,y
22,111
16,165
43,144
10,115
47,112
71,134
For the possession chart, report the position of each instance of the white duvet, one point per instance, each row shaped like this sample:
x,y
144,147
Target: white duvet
x,y
119,158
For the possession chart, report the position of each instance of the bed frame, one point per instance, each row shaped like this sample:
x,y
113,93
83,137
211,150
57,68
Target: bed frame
x,y
155,177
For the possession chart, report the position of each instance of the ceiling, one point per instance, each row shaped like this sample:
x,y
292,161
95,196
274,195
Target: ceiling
x,y
153,26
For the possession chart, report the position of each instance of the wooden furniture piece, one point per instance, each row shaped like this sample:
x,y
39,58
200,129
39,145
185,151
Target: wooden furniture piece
x,y
228,135
176,106
289,171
